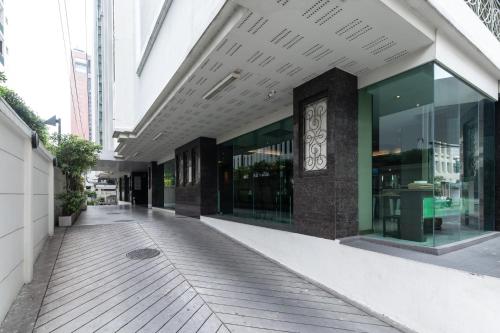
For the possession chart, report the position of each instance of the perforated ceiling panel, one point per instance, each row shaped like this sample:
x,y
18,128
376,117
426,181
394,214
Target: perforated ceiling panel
x,y
276,46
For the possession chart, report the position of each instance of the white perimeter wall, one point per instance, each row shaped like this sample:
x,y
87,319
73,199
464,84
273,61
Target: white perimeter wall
x,y
422,297
24,205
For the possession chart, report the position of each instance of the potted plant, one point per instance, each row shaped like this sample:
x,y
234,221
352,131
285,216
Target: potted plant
x,y
75,156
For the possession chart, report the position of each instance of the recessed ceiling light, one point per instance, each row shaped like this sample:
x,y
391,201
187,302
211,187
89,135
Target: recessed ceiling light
x,y
221,85
157,136
398,97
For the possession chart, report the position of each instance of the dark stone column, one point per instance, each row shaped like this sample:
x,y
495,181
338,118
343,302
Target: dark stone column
x,y
139,181
126,188
157,184
196,185
120,189
225,177
497,165
325,202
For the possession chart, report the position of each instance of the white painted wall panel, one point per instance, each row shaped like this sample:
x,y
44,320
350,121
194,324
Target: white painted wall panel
x,y
39,208
40,233
40,163
11,216
11,173
9,287
40,182
11,252
10,141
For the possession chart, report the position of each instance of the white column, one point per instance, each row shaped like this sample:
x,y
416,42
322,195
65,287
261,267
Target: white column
x,y
27,218
51,200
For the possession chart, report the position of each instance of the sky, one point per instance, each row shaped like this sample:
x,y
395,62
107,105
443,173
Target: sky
x,y
37,63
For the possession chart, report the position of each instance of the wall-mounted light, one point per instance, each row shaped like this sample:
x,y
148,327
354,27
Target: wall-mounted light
x,y
157,136
221,85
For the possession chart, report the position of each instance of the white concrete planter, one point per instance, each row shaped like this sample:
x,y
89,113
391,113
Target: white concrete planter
x,y
66,221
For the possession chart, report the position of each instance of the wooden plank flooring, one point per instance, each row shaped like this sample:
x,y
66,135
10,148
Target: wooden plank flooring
x,y
201,282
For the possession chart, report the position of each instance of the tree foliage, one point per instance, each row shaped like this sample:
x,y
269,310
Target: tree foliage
x,y
25,113
75,156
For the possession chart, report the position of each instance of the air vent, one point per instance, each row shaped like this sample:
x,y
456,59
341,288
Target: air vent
x,y
257,26
255,56
348,27
375,42
263,81
361,71
315,8
359,33
283,3
272,84
313,49
279,37
328,15
292,42
221,45
215,67
266,61
294,71
245,92
204,64
201,80
396,56
383,47
323,54
233,49
245,20
284,67
246,76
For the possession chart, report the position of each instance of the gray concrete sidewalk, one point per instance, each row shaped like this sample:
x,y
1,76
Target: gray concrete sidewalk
x,y
201,281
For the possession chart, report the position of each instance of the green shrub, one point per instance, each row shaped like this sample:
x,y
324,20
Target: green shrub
x,y
71,201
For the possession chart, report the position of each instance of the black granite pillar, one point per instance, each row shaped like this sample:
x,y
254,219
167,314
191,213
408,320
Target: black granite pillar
x,y
325,201
120,189
196,183
157,186
225,178
497,165
126,188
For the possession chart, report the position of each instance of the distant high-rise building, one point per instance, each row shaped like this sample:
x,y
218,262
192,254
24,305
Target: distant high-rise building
x,y
3,47
80,94
103,75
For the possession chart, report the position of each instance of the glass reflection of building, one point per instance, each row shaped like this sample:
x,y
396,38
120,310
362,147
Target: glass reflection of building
x,y
432,149
255,174
169,184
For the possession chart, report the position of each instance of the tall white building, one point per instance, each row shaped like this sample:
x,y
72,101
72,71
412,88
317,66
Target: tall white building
x,y
329,118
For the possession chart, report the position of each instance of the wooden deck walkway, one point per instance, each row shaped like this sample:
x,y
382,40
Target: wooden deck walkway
x,y
201,282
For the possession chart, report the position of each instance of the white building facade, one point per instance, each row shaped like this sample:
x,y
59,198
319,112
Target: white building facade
x,y
326,118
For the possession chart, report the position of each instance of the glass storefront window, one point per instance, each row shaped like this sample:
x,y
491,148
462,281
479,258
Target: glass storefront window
x,y
255,174
169,184
432,147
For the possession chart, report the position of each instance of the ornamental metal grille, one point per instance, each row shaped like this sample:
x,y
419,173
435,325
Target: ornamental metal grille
x,y
315,135
489,12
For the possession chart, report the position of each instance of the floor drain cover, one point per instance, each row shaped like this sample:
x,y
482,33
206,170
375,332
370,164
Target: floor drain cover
x,y
123,221
143,254
114,213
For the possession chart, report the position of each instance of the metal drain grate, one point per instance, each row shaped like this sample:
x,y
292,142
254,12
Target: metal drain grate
x,y
141,254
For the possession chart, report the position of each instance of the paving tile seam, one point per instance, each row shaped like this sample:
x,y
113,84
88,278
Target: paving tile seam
x,y
185,305
139,301
98,247
291,313
50,276
297,280
163,309
110,256
267,295
100,236
264,329
165,254
99,295
132,295
103,285
298,315
124,262
212,255
96,239
290,322
151,305
74,316
129,264
222,262
78,258
256,288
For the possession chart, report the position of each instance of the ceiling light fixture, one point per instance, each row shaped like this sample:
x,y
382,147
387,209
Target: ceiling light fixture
x,y
221,85
135,154
157,136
